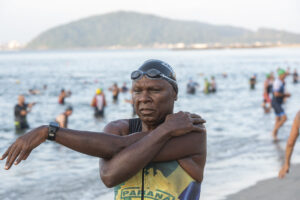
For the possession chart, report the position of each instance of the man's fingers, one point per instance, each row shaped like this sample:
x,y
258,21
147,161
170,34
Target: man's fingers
x,y
11,157
26,155
5,154
199,128
197,120
20,157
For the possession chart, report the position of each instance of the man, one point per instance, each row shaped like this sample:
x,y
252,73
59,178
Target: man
x,y
164,151
115,91
99,103
268,84
191,86
290,146
295,76
62,119
21,110
177,172
252,82
63,94
277,100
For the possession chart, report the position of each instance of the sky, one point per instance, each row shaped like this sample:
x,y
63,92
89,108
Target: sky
x,y
24,20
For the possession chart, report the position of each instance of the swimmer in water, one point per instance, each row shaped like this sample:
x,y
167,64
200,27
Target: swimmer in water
x,y
115,91
268,85
62,119
278,95
99,103
63,94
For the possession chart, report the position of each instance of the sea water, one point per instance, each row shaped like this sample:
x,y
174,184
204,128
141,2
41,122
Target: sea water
x,y
240,147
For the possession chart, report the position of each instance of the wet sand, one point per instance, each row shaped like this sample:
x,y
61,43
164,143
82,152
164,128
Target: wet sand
x,y
273,189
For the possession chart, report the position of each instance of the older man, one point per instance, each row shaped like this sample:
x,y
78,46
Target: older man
x,y
159,155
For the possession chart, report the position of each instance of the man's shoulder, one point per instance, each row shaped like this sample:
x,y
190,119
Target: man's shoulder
x,y
118,127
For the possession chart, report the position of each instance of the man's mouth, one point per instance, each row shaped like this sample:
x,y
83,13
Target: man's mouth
x,y
146,111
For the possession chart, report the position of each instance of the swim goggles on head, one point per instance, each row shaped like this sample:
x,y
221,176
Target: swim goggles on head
x,y
153,74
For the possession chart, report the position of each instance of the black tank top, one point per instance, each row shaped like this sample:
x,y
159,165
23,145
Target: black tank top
x,y
135,125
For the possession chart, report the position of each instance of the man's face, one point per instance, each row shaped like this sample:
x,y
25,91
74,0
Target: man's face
x,y
69,112
282,76
21,99
153,100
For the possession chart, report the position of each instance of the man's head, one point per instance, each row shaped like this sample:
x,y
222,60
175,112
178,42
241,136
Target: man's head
x,y
21,99
69,110
281,74
154,91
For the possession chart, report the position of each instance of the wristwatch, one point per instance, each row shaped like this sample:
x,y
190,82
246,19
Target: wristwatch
x,y
52,129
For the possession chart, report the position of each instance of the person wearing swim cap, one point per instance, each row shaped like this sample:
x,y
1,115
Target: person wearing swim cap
x,y
278,95
268,84
136,172
99,103
159,155
290,146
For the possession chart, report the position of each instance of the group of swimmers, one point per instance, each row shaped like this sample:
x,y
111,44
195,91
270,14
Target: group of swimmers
x,y
22,108
209,86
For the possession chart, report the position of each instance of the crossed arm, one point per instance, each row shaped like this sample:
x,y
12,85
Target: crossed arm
x,y
154,146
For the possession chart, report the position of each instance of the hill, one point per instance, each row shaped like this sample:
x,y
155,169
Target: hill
x,y
131,29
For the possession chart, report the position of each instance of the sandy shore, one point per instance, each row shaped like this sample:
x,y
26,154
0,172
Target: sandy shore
x,y
273,189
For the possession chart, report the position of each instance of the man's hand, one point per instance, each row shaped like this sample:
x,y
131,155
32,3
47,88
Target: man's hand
x,y
287,95
285,169
23,146
183,122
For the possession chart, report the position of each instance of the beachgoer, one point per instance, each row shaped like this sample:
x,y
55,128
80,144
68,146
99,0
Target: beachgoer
x,y
124,88
34,91
191,86
252,82
115,91
63,94
213,85
295,76
290,146
99,103
277,100
268,84
21,111
159,154
62,119
207,86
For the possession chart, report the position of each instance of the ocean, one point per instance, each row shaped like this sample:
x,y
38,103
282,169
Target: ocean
x,y
240,147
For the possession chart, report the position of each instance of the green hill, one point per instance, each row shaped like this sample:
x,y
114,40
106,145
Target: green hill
x,y
131,29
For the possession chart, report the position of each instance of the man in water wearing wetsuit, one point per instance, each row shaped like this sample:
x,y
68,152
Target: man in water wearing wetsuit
x,y
160,153
290,146
21,110
277,100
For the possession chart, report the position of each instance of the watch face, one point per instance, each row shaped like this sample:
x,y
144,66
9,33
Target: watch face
x,y
55,124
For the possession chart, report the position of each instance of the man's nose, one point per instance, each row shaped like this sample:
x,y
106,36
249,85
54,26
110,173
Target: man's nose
x,y
144,97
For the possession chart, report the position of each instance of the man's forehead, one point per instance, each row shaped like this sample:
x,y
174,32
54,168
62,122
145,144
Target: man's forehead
x,y
149,82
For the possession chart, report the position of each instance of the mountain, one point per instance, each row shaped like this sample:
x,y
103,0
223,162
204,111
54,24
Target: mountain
x,y
131,29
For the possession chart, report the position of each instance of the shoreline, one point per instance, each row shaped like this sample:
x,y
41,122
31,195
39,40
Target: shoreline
x,y
272,188
185,48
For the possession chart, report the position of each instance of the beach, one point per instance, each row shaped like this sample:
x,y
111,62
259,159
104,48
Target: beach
x,y
273,188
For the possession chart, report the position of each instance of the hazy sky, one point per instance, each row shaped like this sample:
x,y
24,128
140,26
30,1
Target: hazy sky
x,y
23,20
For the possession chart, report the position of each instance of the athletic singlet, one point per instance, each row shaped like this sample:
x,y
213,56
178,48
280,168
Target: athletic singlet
x,y
159,181
278,86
